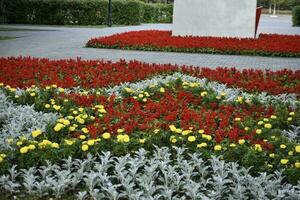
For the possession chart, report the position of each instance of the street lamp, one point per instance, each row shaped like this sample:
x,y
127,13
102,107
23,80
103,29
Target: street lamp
x,y
109,18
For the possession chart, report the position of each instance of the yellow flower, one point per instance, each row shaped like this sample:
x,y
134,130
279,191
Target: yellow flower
x,y
258,131
1,159
84,130
72,128
202,145
246,128
82,137
55,145
36,133
268,126
156,131
32,94
218,147
80,120
260,122
292,113
54,86
31,147
126,138
141,95
266,119
172,128
241,141
85,147
120,130
290,119
282,146
3,155
61,89
91,142
203,94
178,130
47,105
201,131
297,164
174,140
106,135
271,155
273,117
80,109
10,140
191,138
232,145
284,161
75,112
257,147
162,90
186,132
291,153
142,141
237,119
223,94
69,142
24,150
66,122
19,143
56,107
297,148
120,138
58,127
269,165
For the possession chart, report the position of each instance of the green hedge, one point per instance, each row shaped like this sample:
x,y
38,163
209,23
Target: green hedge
x,y
82,12
157,13
296,16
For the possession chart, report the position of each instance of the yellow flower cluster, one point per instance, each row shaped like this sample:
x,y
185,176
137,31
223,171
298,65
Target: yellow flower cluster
x,y
2,157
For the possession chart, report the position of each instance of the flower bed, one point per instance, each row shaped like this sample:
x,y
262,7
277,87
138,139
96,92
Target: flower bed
x,y
142,125
265,45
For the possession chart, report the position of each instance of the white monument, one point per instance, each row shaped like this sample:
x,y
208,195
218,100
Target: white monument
x,y
217,18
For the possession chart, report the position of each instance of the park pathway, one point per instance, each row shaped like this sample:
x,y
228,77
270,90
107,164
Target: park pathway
x,y
57,42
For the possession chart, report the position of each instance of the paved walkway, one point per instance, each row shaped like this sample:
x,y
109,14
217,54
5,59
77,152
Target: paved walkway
x,y
61,42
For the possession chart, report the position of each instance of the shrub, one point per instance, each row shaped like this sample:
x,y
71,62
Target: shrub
x,y
82,12
296,16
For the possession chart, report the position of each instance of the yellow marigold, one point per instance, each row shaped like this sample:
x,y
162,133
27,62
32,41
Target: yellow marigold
x,y
142,141
297,148
61,89
260,123
31,147
237,119
186,132
207,137
258,131
56,107
218,147
289,118
284,161
156,131
241,141
1,159
120,138
72,128
291,153
32,94
191,138
47,105
202,145
84,130
55,145
271,155
203,94
36,133
297,164
292,113
282,146
24,150
91,142
257,147
66,122
69,142
174,140
162,90
80,120
266,119
120,130
178,130
126,138
19,143
273,117
106,135
85,147
58,127
80,109
201,131
232,145
246,128
268,126
82,137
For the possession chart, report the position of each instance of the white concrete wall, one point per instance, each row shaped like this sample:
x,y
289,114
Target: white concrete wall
x,y
218,18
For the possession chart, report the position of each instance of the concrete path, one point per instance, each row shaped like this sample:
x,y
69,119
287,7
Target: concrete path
x,y
61,42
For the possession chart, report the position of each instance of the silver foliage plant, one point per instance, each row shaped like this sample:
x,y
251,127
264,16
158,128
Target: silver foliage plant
x,y
293,134
141,177
20,120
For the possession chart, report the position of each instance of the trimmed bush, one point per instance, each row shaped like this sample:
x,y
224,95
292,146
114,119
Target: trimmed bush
x,y
157,13
82,12
296,16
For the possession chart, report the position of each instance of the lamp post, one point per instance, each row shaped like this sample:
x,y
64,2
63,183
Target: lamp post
x,y
109,18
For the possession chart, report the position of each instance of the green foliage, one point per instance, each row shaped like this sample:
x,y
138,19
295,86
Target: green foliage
x,y
153,13
296,16
82,12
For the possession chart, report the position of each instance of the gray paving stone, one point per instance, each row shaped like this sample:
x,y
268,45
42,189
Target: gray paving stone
x,y
62,42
